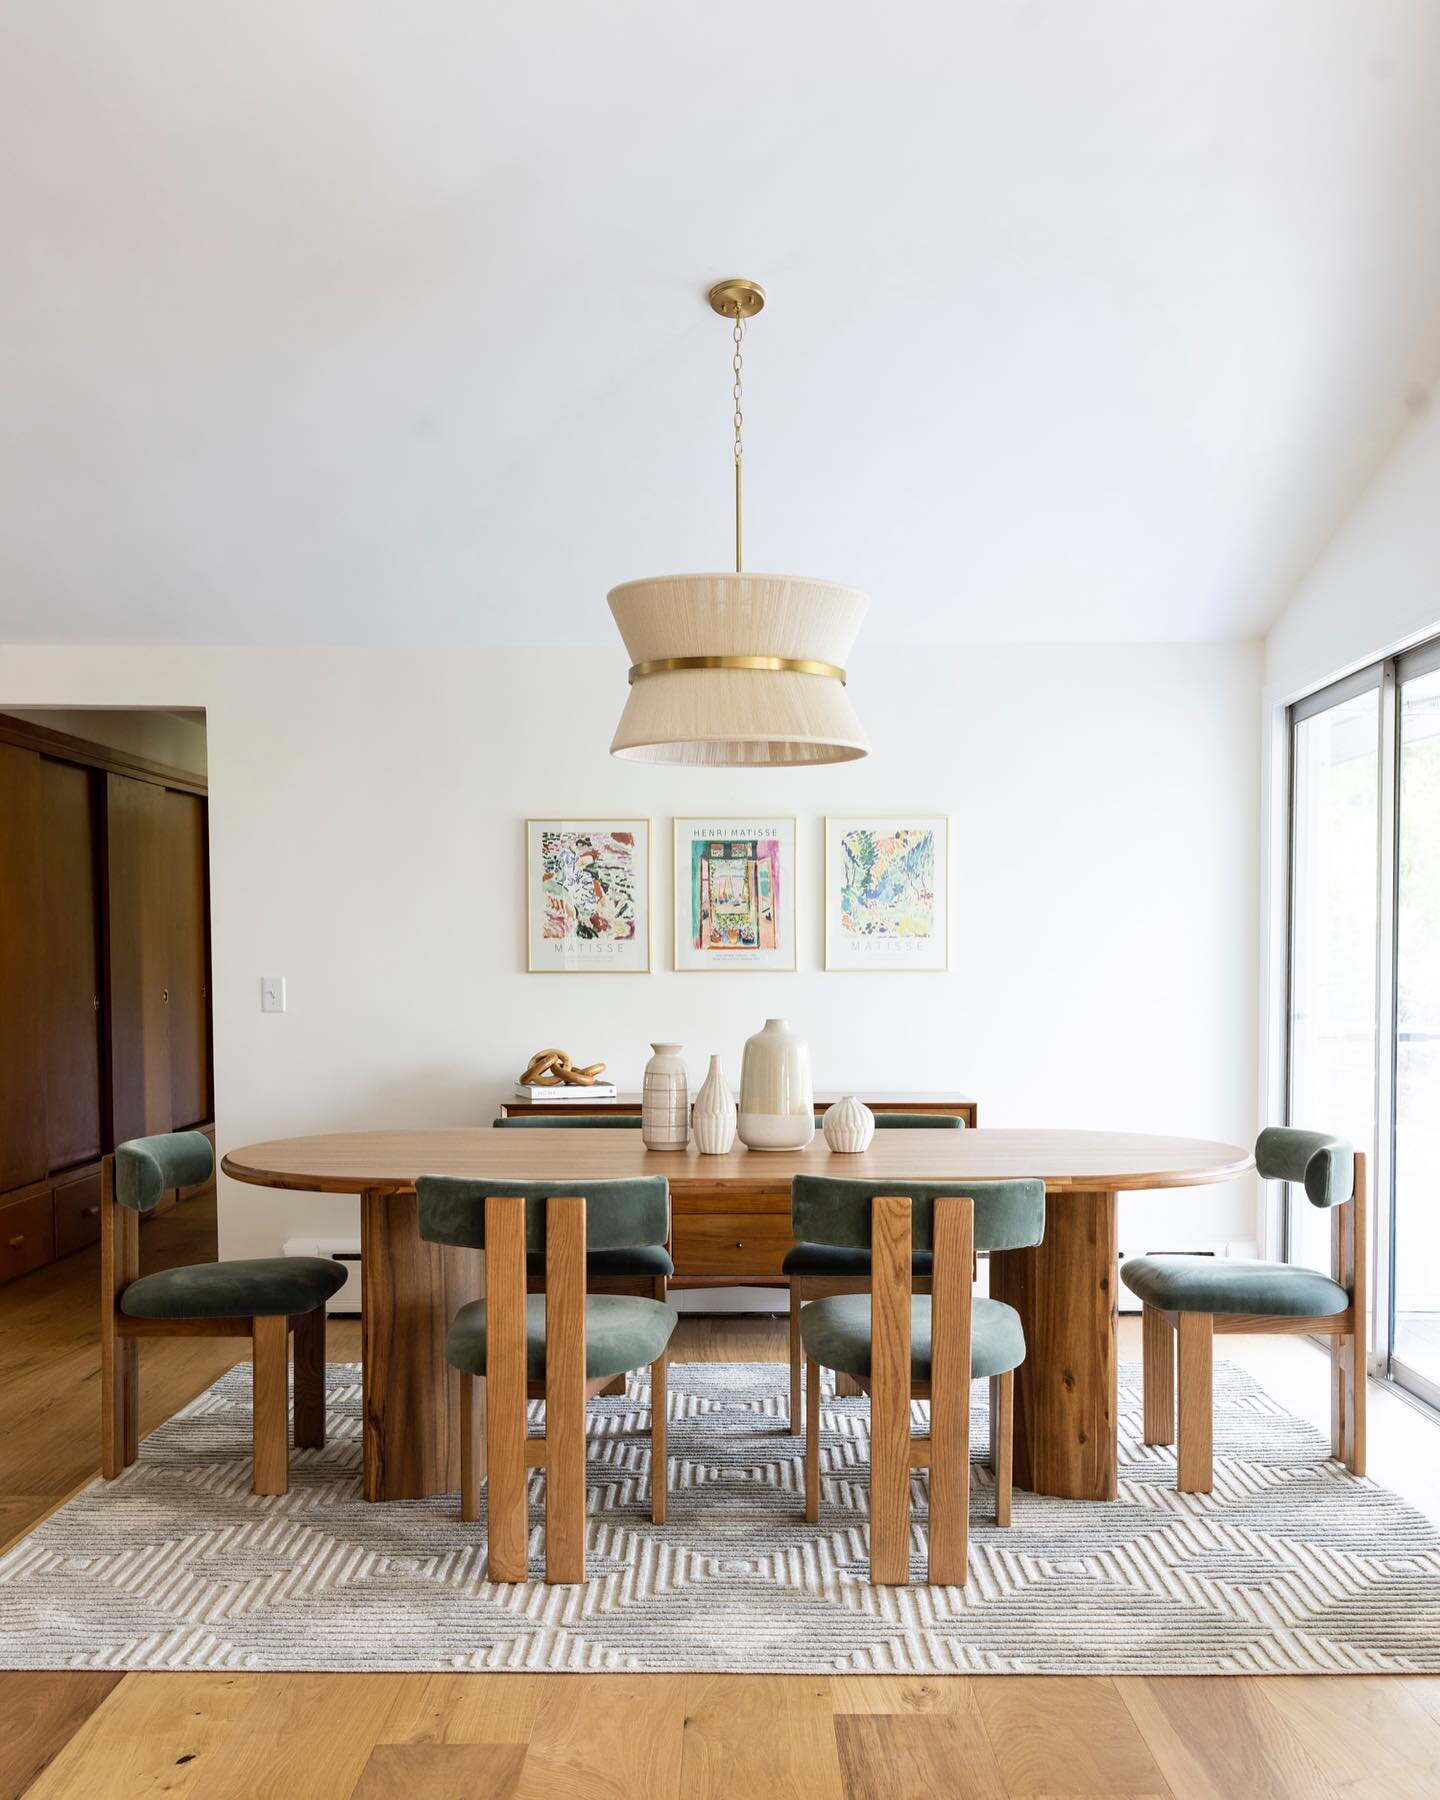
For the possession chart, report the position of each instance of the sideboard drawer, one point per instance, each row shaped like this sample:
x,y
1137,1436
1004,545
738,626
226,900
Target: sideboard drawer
x,y
77,1213
27,1235
739,1243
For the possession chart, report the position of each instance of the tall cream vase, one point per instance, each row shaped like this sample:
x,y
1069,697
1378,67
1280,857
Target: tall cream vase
x,y
777,1096
714,1117
665,1100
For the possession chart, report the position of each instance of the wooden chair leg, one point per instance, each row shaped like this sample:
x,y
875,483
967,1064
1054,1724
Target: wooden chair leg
x,y
310,1380
472,1443
271,1453
1158,1376
659,1451
507,1504
1002,1441
1347,1403
812,1442
130,1364
797,1362
117,1365
565,1388
616,1385
846,1386
1195,1465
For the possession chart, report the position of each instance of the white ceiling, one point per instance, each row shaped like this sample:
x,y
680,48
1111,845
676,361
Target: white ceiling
x,y
363,322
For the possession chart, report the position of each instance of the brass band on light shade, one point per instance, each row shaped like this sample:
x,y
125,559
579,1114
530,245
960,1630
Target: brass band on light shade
x,y
789,665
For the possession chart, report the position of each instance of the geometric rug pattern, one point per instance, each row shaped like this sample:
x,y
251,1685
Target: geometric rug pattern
x,y
1289,1566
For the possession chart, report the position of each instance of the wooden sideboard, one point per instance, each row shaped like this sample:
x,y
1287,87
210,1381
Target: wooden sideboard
x,y
728,1240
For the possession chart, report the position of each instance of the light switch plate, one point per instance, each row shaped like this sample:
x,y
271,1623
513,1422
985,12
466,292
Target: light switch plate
x,y
272,993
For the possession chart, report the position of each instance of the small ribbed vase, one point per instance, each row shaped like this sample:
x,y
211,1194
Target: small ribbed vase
x,y
849,1126
777,1099
665,1100
714,1118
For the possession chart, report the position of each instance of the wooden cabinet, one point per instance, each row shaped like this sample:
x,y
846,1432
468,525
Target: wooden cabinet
x,y
189,973
70,972
104,976
725,1242
24,1152
77,1212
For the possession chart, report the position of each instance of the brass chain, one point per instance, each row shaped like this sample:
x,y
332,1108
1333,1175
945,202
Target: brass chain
x,y
737,364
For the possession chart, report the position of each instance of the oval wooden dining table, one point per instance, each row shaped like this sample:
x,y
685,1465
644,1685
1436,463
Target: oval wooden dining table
x,y
1064,1288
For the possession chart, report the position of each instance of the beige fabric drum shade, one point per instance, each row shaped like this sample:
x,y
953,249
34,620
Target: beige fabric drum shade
x,y
738,717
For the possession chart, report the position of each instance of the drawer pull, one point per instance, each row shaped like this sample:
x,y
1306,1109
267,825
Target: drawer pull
x,y
89,1212
16,1242
164,996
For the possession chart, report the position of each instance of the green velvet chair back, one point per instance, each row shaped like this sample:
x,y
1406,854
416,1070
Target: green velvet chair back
x,y
909,1121
583,1116
825,1209
147,1168
619,1215
1323,1165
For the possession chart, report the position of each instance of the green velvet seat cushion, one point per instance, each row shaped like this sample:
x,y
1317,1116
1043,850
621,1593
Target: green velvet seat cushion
x,y
832,1262
267,1285
836,1334
1225,1284
622,1332
639,1259
587,1114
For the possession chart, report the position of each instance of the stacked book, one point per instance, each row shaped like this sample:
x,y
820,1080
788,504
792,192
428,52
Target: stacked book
x,y
529,1090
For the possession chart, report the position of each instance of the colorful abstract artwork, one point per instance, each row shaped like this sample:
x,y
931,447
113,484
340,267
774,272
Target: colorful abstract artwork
x,y
589,895
734,894
886,894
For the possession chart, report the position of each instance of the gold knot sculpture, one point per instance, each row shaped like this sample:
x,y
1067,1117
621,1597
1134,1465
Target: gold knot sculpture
x,y
553,1068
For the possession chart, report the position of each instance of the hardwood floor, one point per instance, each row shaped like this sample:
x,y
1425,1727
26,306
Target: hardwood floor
x,y
568,1737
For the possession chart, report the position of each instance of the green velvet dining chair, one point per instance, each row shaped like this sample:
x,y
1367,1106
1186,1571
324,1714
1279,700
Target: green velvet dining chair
x,y
563,1347
1188,1299
817,1270
901,1346
268,1299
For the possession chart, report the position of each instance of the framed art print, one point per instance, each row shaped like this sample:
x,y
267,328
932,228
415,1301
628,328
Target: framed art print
x,y
887,893
588,896
735,894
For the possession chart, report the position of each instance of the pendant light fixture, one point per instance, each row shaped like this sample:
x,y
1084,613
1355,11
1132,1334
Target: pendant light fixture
x,y
742,670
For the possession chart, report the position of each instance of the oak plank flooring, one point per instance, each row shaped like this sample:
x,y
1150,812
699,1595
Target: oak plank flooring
x,y
42,1712
772,1737
1214,1737
426,1736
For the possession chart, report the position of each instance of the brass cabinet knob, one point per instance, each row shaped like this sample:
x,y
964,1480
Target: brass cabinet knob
x,y
16,1242
89,1212
164,996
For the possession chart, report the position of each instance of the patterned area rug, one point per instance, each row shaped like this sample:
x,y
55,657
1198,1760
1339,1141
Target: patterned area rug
x,y
1288,1566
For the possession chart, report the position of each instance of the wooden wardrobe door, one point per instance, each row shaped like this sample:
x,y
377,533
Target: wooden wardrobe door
x,y
71,968
137,956
189,974
24,1153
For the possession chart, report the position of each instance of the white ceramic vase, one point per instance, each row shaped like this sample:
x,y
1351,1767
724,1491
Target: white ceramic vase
x,y
849,1126
714,1118
665,1100
777,1097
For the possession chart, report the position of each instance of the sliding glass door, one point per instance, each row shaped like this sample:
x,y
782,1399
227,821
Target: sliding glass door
x,y
1415,1348
1333,922
1364,1001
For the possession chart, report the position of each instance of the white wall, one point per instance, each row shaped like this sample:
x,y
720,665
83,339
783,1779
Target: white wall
x,y
1376,588
367,843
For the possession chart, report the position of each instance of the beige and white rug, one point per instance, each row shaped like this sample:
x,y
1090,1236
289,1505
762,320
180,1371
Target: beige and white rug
x,y
1289,1566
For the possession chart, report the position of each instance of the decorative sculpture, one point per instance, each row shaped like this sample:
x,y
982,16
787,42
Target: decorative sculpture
x,y
553,1068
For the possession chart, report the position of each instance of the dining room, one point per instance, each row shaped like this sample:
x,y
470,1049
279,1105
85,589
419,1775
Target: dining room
x,y
649,1184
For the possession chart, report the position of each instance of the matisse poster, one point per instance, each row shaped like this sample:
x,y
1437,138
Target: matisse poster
x,y
886,893
734,894
588,888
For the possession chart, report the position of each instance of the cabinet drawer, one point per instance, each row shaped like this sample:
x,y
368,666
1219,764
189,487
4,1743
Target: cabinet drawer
x,y
740,1243
27,1235
77,1213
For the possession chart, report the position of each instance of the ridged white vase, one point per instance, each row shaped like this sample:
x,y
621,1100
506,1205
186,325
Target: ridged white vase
x,y
777,1097
849,1126
714,1117
665,1100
